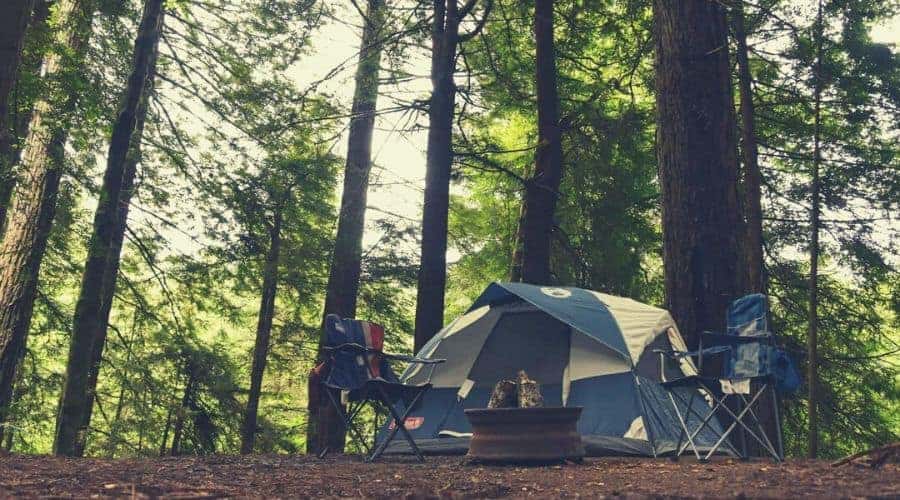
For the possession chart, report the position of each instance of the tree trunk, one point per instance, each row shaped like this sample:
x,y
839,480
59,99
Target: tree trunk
x,y
263,329
14,15
439,158
31,215
753,247
165,434
752,196
812,340
323,428
31,64
542,189
87,322
697,155
111,273
178,429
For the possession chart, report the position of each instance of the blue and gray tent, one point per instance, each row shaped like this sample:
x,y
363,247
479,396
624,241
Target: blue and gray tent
x,y
584,348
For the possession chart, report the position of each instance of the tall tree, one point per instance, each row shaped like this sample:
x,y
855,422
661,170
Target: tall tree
x,y
752,177
697,154
14,15
812,341
86,324
111,273
31,215
542,190
438,162
432,280
263,327
323,428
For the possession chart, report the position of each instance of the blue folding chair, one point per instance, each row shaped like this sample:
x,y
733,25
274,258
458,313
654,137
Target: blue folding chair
x,y
750,366
359,373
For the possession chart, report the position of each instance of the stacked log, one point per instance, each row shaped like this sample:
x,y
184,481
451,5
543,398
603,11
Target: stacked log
x,y
504,395
529,392
520,393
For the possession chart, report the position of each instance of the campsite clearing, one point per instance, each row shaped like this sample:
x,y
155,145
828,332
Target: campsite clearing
x,y
440,477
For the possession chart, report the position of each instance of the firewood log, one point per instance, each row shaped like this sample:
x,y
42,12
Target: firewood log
x,y
504,395
529,392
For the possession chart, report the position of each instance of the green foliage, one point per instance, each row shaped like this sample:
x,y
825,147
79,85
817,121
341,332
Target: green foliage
x,y
230,139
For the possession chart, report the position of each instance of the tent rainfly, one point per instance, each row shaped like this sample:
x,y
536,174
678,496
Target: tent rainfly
x,y
584,348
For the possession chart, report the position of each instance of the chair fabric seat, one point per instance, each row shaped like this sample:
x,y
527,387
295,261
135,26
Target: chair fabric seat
x,y
396,392
712,382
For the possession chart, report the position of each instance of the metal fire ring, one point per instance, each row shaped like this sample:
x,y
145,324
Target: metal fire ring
x,y
525,434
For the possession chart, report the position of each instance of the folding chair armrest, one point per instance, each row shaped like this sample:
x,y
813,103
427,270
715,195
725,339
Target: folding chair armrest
x,y
348,347
676,354
411,359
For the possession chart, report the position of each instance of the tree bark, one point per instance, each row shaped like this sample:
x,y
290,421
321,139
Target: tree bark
x,y
90,306
14,15
178,429
31,215
752,192
263,330
111,273
752,195
542,190
323,428
812,340
439,158
697,155
165,435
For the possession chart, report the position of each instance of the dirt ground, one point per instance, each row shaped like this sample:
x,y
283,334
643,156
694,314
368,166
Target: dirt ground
x,y
440,477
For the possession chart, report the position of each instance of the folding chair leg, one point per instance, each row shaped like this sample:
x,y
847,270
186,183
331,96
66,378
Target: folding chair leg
x,y
776,411
764,440
737,421
399,426
705,419
762,431
743,434
347,421
681,434
684,427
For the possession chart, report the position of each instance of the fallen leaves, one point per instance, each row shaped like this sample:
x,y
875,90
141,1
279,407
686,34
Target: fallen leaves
x,y
441,477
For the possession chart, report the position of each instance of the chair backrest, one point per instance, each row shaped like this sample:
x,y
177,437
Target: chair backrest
x,y
748,315
350,370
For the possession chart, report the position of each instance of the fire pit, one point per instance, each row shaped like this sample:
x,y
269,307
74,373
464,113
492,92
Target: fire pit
x,y
525,434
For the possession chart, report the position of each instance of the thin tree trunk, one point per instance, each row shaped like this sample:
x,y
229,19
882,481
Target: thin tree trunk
x,y
812,340
323,428
756,281
165,434
31,63
18,389
178,430
263,330
111,273
542,189
697,155
31,215
439,158
87,322
515,266
14,15
752,194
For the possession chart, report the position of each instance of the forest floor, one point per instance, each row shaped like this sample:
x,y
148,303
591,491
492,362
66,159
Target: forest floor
x,y
285,476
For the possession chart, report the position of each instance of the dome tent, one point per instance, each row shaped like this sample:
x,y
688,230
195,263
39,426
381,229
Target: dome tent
x,y
584,348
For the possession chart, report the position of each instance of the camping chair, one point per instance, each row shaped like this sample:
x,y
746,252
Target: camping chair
x,y
751,366
358,372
